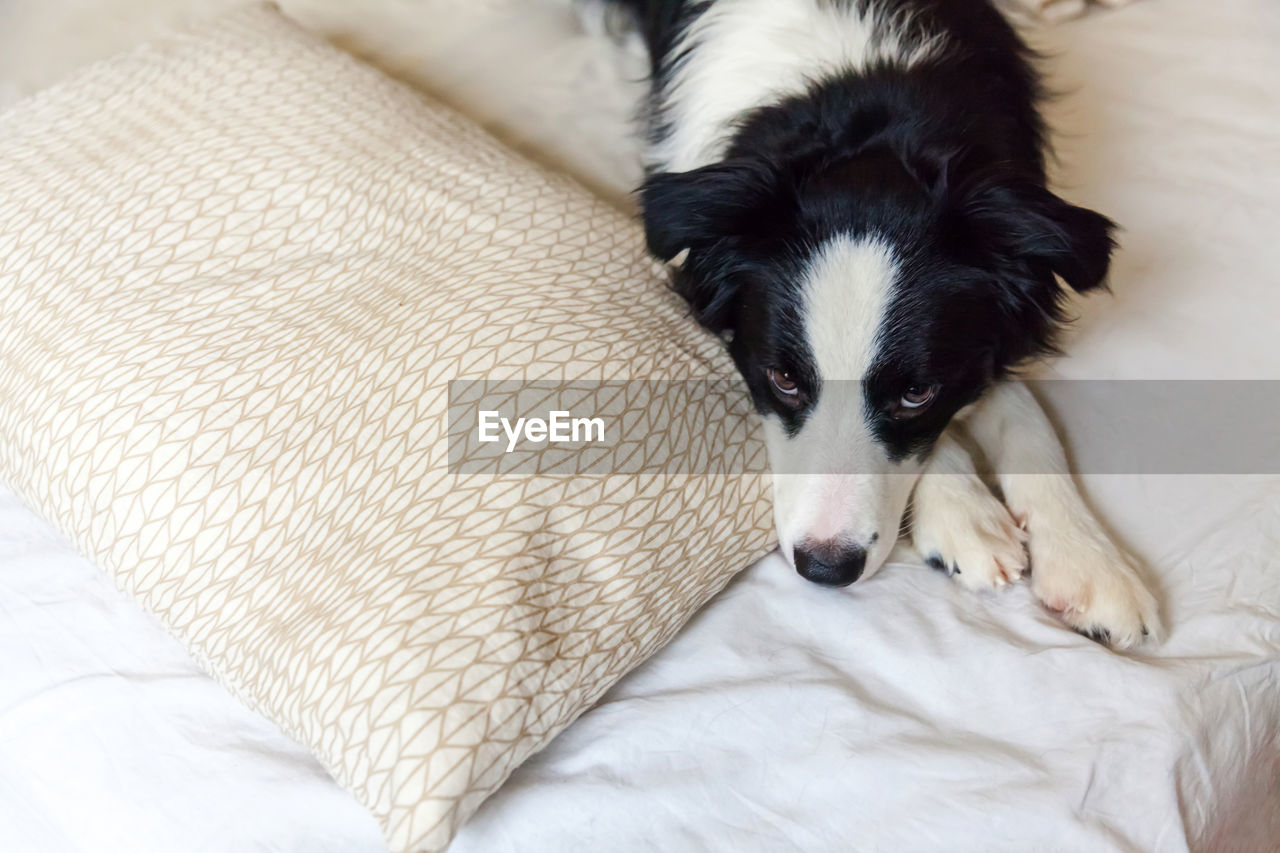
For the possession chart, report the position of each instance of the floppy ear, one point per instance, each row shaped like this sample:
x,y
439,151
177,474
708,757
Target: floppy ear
x,y
689,210
712,212
1022,224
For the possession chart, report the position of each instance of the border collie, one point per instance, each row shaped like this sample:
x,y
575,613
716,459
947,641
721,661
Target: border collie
x,y
852,193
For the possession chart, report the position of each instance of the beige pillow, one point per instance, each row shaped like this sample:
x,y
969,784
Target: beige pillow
x,y
237,273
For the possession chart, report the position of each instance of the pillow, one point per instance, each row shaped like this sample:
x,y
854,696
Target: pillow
x,y
238,273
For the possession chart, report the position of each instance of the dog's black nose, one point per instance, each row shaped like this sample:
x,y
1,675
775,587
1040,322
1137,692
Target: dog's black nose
x,y
830,564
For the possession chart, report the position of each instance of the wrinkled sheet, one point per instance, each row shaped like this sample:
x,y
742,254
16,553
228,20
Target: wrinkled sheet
x,y
900,714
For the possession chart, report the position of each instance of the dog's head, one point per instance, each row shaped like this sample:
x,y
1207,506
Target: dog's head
x,y
867,300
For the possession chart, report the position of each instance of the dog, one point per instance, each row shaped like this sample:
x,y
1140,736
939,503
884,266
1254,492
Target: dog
x,y
853,194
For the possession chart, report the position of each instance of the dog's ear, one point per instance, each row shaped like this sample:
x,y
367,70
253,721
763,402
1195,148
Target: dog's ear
x,y
692,210
710,215
1023,226
1027,238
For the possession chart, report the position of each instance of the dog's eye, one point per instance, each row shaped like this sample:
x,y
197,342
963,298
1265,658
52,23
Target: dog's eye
x,y
784,387
915,400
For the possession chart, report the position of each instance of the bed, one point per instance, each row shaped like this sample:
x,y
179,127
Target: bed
x,y
903,714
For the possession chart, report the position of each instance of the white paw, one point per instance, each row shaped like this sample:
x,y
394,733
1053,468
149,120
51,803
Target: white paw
x,y
1080,574
606,18
960,528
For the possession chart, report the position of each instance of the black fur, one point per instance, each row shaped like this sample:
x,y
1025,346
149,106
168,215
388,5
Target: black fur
x,y
944,160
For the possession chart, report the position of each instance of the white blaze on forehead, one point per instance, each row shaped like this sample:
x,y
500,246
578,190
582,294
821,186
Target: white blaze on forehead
x,y
845,294
742,54
843,298
833,480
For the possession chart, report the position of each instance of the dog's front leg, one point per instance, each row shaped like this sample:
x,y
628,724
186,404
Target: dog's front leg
x,y
1076,570
959,527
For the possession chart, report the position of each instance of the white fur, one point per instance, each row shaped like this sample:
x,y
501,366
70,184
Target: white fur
x,y
957,519
742,54
1076,569
833,481
603,18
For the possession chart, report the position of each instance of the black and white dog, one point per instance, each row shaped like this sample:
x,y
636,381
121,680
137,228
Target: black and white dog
x,y
853,193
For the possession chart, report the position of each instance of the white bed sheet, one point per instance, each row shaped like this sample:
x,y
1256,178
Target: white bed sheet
x,y
901,714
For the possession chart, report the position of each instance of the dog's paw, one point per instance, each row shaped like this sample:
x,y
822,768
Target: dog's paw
x,y
605,18
1081,575
962,529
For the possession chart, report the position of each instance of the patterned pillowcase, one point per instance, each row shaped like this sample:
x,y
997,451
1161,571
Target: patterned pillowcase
x,y
238,271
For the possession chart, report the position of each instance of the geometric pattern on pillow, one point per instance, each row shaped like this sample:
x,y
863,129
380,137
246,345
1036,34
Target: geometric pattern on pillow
x,y
237,272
